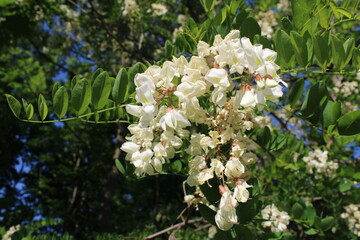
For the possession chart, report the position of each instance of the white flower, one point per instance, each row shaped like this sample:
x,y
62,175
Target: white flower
x,y
278,221
217,166
159,9
218,77
226,216
173,120
240,192
234,168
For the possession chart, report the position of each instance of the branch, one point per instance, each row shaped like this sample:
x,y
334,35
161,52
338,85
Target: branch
x,y
177,226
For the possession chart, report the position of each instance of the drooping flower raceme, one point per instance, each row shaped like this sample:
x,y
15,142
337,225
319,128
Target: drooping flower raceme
x,y
216,90
277,220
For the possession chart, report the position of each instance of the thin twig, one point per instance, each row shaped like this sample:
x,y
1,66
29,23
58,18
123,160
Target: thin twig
x,y
177,226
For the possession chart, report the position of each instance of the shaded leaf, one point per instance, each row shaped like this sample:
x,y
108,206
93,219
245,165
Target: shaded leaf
x,y
101,89
42,106
81,96
349,124
60,101
296,92
121,87
14,105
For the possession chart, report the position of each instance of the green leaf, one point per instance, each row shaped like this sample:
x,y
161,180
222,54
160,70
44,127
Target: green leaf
x,y
243,232
296,92
327,223
74,80
207,213
101,89
176,166
349,124
356,58
60,101
314,99
286,25
234,5
302,12
208,5
322,49
277,142
333,9
263,137
96,74
169,49
14,105
240,18
249,28
310,214
349,46
42,106
297,210
343,11
81,96
55,88
309,45
263,41
284,49
345,186
28,108
324,15
311,231
137,68
211,190
119,166
331,113
300,48
247,211
120,91
220,17
338,52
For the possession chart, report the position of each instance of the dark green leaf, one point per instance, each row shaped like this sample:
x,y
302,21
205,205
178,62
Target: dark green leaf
x,y
243,233
14,105
121,87
296,92
240,18
297,210
42,106
207,213
327,223
81,96
247,211
211,190
60,101
356,58
220,17
263,41
74,80
345,186
349,124
249,28
208,5
302,12
314,99
286,25
263,137
101,89
119,166
310,214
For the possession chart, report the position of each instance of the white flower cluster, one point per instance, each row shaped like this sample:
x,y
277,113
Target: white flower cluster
x,y
267,21
346,88
318,160
10,232
159,9
130,7
277,220
217,90
352,216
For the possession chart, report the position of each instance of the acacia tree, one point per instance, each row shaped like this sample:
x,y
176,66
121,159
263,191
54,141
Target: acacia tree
x,y
208,111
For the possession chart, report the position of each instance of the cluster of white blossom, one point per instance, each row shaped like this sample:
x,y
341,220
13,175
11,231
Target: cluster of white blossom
x,y
318,160
352,216
10,232
277,220
159,9
284,6
346,88
130,7
218,90
267,21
